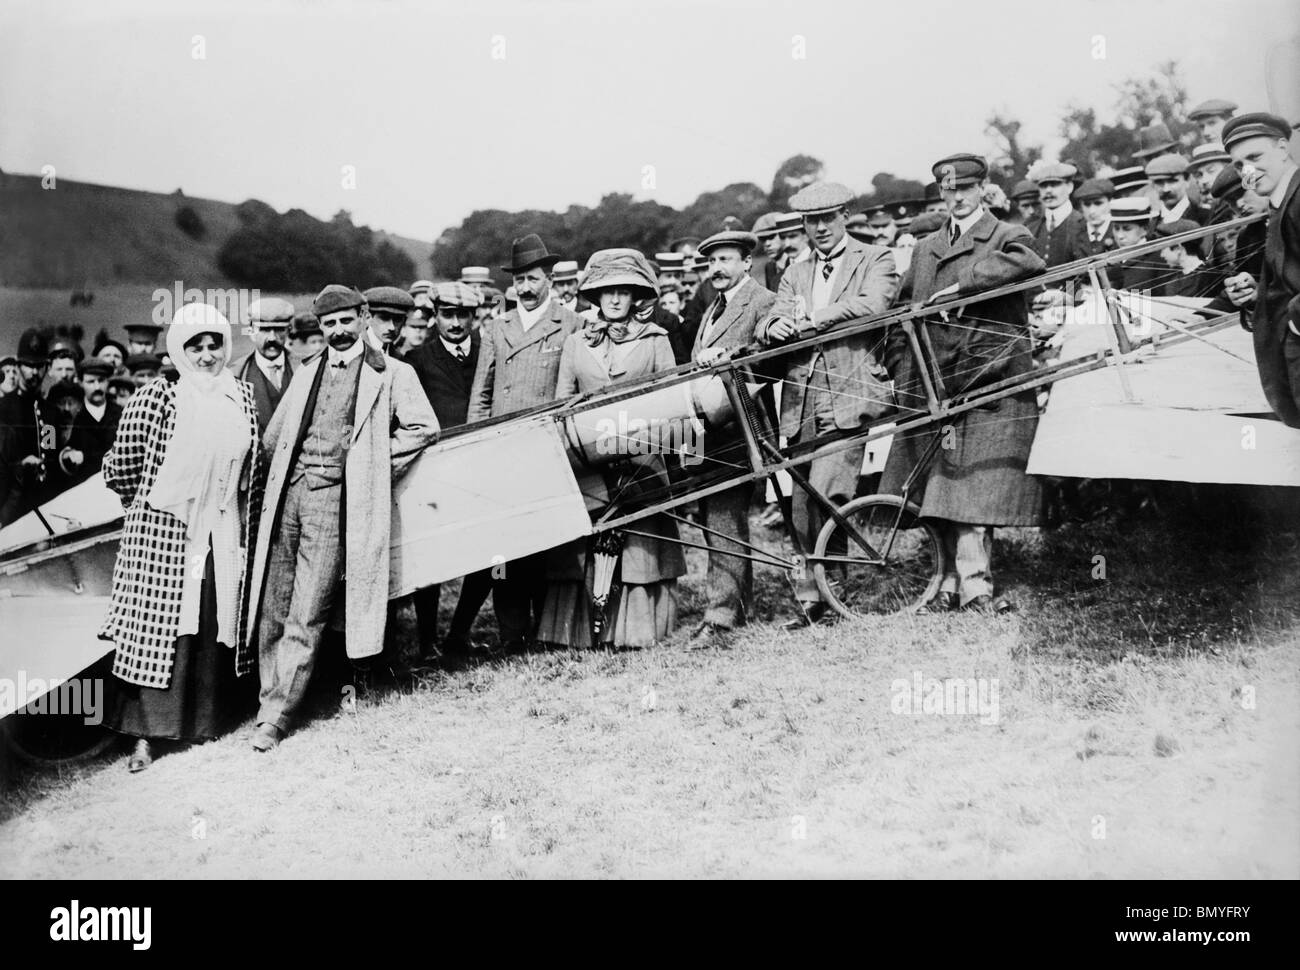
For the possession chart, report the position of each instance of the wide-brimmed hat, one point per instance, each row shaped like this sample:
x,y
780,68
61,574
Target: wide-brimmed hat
x,y
1154,140
619,267
529,251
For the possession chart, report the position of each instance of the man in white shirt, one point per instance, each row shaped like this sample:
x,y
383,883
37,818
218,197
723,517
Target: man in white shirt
x,y
1168,175
389,308
267,367
1094,197
1059,232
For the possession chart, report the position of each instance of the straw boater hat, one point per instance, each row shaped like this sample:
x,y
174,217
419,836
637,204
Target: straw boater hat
x,y
476,275
619,267
565,269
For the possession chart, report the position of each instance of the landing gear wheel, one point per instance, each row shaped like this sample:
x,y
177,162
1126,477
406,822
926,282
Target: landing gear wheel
x,y
902,570
55,740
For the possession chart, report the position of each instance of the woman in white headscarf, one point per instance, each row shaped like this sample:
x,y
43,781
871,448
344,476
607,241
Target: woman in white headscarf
x,y
187,464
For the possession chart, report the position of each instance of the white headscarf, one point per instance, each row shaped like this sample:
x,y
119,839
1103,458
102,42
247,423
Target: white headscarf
x,y
187,465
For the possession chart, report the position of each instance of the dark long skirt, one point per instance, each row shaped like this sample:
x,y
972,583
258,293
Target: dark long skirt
x,y
205,698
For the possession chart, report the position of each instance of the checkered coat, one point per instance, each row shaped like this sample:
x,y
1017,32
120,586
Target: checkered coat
x,y
150,572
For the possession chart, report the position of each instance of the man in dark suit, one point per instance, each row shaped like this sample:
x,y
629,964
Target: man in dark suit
x,y
837,385
793,245
728,327
445,365
1168,175
1094,198
267,367
518,368
94,427
1259,145
1060,233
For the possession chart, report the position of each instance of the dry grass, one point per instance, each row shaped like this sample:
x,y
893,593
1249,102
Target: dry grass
x,y
1124,702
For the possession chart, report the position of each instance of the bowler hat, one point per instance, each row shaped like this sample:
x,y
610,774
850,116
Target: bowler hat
x,y
96,367
529,251
1154,139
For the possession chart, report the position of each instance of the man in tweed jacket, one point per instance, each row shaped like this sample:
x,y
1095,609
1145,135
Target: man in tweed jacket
x,y
518,367
836,385
351,421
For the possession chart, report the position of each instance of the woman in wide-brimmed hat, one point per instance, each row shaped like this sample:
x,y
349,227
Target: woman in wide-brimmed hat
x,y
187,465
620,343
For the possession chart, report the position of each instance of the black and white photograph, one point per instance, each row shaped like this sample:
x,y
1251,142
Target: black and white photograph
x,y
648,439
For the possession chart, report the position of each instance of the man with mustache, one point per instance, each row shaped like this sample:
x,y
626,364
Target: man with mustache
x,y
1259,144
836,385
351,421
94,429
1168,175
728,327
266,367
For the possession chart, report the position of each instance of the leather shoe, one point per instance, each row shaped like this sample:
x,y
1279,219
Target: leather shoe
x,y
987,605
711,636
266,737
142,757
810,615
941,603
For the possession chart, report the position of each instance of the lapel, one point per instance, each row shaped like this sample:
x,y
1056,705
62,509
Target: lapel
x,y
369,385
854,253
981,231
730,315
543,328
299,402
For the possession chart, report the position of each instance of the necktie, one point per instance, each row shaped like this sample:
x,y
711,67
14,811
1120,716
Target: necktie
x,y
954,234
828,267
715,313
460,352
277,375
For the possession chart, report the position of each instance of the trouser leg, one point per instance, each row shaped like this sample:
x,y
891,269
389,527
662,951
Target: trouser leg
x,y
305,564
517,598
974,560
426,614
474,591
730,580
948,547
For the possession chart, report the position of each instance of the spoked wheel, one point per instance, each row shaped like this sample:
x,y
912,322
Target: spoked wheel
x,y
901,569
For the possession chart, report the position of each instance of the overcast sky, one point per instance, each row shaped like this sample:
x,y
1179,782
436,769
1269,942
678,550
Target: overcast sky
x,y
444,108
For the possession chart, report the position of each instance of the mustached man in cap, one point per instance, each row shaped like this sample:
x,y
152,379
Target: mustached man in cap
x,y
267,368
351,421
1259,146
518,367
1168,175
835,385
980,482
445,364
1060,233
728,326
94,428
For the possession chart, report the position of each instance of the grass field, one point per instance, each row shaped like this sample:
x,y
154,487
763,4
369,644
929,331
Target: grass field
x,y
1146,724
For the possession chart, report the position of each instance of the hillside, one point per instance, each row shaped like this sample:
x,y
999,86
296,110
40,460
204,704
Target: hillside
x,y
82,234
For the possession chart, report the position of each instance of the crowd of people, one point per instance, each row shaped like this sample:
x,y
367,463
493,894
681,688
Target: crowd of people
x,y
258,490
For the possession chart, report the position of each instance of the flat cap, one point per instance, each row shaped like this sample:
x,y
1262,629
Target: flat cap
x,y
957,170
476,274
1053,172
394,299
1095,189
746,242
1206,154
420,286
334,298
1166,166
1127,179
1227,184
139,362
1025,188
565,269
820,197
765,225
789,220
121,380
1176,227
1131,210
149,325
1254,124
269,309
1208,109
96,367
927,223
456,294
304,325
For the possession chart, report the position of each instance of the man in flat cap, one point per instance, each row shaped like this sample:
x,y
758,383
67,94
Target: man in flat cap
x,y
445,365
1094,197
142,338
518,368
1060,233
1210,117
1168,175
1207,162
1259,144
143,368
389,307
350,423
769,246
94,428
836,385
727,327
267,367
1026,205
979,482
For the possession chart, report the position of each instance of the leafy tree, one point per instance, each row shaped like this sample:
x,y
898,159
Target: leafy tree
x,y
1004,131
792,175
1094,146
